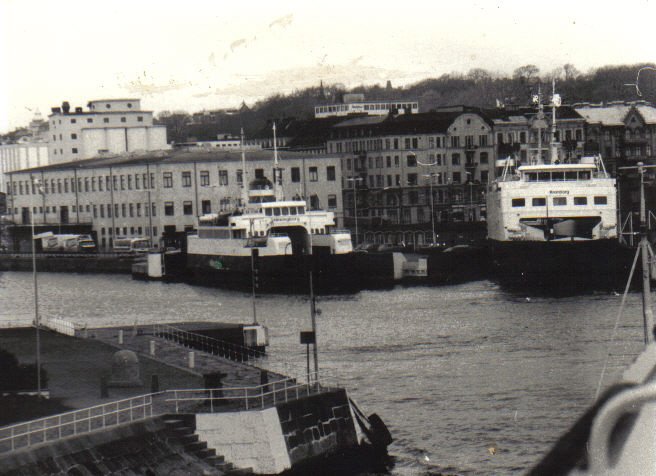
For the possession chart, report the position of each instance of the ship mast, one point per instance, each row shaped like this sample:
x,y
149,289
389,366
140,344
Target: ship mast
x,y
244,175
277,171
555,103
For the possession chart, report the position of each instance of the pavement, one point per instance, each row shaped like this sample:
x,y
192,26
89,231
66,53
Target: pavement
x,y
76,365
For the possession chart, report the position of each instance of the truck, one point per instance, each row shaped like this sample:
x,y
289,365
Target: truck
x,y
50,243
127,244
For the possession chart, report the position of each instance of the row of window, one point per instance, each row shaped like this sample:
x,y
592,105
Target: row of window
x,y
73,120
413,179
86,184
558,201
407,143
513,137
134,231
411,161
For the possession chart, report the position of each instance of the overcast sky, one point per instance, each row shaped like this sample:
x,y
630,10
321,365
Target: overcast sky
x,y
196,54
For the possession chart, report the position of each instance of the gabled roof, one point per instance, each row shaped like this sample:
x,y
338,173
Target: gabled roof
x,y
616,114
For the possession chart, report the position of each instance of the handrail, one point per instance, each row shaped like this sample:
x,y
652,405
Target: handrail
x,y
630,400
141,407
234,351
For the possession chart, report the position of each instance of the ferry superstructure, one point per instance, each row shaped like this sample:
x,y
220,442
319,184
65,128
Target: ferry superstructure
x,y
553,221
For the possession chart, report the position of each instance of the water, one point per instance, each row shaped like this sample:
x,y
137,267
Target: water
x,y
452,370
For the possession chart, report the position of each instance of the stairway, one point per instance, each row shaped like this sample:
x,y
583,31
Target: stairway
x,y
182,428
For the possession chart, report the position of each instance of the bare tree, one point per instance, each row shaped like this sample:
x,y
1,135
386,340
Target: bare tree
x,y
526,73
570,72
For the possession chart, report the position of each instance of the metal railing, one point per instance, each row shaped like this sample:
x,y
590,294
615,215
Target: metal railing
x,y
74,423
229,350
139,408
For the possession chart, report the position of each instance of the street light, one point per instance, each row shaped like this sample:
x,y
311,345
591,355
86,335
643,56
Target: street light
x,y
37,324
432,203
355,180
472,214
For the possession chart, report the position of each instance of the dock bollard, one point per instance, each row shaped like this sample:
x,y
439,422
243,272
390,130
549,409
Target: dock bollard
x,y
192,359
120,337
152,347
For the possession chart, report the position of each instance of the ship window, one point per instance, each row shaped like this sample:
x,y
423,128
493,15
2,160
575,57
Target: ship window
x,y
580,200
518,202
285,211
292,210
539,202
532,177
268,212
601,200
544,176
301,211
557,176
570,175
276,211
560,201
584,175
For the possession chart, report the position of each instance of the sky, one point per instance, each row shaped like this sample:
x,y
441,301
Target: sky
x,y
200,54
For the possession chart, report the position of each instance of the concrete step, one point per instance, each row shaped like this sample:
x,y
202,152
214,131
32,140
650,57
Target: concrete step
x,y
215,459
195,446
240,472
205,453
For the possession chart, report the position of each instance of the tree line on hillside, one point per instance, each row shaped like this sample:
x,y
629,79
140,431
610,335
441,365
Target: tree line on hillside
x,y
477,88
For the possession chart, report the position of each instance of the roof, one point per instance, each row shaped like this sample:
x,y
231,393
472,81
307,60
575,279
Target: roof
x,y
615,114
522,114
173,156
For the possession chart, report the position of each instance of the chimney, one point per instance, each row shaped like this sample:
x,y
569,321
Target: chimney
x,y
66,107
78,110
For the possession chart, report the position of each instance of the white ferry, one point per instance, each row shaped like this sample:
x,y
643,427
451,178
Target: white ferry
x,y
551,222
280,233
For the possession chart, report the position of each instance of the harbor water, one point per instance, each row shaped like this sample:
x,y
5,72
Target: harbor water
x,y
470,378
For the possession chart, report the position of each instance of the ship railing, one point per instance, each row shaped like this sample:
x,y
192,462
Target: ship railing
x,y
142,407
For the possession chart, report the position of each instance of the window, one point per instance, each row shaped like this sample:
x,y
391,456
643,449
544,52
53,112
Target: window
x,y
296,172
223,177
122,182
153,209
206,206
330,173
89,120
456,177
138,209
411,160
204,178
100,184
74,150
560,201
123,209
73,121
407,142
412,179
539,202
455,141
482,140
106,120
518,202
167,180
314,174
131,210
332,201
601,200
580,200
186,179
455,159
483,157
122,119
187,208
168,209
240,177
86,184
139,118
136,181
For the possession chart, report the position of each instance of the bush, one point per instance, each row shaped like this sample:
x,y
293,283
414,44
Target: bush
x,y
16,377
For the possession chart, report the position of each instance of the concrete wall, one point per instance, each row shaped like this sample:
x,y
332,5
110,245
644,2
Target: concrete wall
x,y
273,440
250,439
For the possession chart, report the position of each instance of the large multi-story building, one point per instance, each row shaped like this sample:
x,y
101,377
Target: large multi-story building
x,y
153,193
110,126
409,171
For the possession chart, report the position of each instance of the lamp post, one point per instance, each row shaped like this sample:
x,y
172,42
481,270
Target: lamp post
x,y
355,181
472,214
37,324
432,203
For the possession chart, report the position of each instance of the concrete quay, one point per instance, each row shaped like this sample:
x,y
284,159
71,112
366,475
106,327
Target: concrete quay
x,y
274,429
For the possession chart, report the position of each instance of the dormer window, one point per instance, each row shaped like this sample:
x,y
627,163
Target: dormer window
x,y
108,106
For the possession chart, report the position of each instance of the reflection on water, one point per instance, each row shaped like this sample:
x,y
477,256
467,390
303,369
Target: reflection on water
x,y
452,370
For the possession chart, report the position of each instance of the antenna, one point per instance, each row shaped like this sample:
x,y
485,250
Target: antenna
x,y
244,175
277,171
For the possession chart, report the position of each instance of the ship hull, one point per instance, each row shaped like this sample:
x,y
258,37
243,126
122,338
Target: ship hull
x,y
275,273
561,265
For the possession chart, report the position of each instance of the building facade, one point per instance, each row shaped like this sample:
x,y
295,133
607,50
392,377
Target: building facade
x,y
22,154
150,194
406,174
110,126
